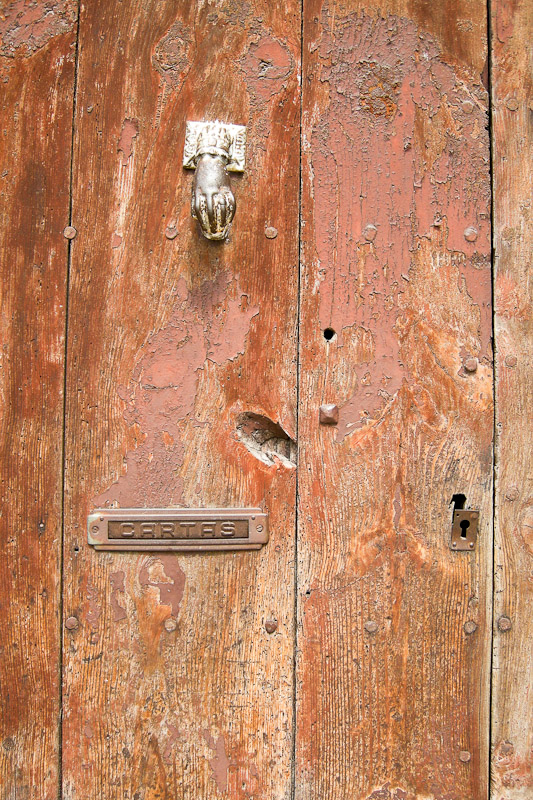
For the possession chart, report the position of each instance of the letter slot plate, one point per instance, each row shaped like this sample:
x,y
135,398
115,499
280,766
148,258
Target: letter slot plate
x,y
177,529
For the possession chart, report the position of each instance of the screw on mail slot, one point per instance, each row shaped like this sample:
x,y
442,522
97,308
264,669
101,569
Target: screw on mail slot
x,y
179,530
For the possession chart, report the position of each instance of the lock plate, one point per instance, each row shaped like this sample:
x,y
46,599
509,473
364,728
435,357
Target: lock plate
x,y
177,529
464,529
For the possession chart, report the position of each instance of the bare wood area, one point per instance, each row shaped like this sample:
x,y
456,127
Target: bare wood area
x,y
37,82
394,627
178,669
512,96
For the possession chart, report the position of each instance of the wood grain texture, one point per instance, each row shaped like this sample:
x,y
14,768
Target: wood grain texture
x,y
37,83
173,686
512,713
392,690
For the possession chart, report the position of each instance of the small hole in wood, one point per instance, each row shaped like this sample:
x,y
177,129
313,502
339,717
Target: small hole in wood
x,y
458,501
329,334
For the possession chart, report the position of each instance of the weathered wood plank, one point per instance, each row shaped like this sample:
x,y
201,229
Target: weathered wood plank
x,y
173,686
37,80
394,627
512,712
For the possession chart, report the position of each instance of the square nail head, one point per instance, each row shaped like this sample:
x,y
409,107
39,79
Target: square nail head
x,y
329,414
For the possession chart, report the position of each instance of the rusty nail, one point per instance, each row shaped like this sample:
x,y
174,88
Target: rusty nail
x,y
271,625
470,364
259,528
71,623
512,104
511,361
95,528
370,233
41,526
504,624
371,626
271,232
170,624
470,234
329,414
465,756
171,232
89,109
468,107
512,493
70,232
470,626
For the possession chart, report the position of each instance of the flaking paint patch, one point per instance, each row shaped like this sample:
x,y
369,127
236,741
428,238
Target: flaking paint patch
x,y
386,792
27,27
92,606
117,585
220,763
266,66
165,574
209,323
130,131
422,133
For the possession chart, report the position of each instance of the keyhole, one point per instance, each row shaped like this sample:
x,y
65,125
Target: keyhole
x,y
465,524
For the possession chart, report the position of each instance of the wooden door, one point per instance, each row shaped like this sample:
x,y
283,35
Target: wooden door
x,y
145,366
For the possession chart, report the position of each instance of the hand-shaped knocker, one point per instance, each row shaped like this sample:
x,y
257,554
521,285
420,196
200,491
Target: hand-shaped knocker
x,y
213,149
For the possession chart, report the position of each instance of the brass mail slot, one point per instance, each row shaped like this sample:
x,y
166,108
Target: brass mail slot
x,y
177,529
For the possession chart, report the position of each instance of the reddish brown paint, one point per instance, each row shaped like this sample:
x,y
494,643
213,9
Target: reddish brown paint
x,y
384,71
188,335
210,323
393,132
117,583
130,131
171,590
220,762
26,27
36,96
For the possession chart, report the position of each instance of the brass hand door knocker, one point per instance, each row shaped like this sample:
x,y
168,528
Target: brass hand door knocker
x,y
213,149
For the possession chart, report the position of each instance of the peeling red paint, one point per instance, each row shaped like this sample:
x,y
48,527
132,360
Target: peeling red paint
x,y
386,792
26,27
117,583
174,734
390,91
170,591
210,323
220,762
92,607
116,241
266,66
130,131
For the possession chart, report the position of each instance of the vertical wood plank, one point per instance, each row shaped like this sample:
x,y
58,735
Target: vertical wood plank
x,y
173,685
37,81
512,712
394,627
